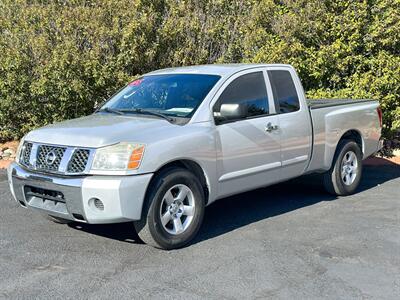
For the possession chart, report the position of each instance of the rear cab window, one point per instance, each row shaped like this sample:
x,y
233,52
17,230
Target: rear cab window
x,y
284,91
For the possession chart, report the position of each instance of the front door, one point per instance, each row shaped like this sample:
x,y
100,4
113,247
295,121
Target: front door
x,y
248,143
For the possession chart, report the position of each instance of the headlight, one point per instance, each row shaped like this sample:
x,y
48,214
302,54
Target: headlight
x,y
119,157
19,149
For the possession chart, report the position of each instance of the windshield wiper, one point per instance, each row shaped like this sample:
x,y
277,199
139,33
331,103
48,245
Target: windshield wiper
x,y
111,110
138,111
148,112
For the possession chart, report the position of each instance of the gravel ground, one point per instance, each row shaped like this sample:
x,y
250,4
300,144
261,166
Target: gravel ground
x,y
287,241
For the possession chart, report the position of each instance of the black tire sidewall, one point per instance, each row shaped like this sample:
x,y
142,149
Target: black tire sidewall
x,y
342,187
162,184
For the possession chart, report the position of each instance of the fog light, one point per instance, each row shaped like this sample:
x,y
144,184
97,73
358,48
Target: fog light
x,y
96,203
99,205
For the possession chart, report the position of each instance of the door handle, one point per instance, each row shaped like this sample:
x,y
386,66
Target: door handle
x,y
271,127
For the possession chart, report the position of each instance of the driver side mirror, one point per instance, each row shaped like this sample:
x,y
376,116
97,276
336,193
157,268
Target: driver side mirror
x,y
233,111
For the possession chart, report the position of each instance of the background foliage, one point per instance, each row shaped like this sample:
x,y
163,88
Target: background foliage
x,y
59,58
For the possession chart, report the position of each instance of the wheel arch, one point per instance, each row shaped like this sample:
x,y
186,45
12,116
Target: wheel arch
x,y
191,166
354,135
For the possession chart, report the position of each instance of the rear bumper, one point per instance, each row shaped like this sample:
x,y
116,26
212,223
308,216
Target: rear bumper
x,y
72,198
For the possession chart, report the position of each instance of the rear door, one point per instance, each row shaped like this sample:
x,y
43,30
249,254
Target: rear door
x,y
248,148
294,120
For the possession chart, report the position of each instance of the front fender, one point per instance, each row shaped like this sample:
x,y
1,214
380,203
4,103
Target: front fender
x,y
192,142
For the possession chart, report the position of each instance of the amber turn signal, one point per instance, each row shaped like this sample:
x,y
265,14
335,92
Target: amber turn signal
x,y
135,158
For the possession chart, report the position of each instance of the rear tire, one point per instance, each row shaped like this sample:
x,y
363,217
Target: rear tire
x,y
173,210
344,176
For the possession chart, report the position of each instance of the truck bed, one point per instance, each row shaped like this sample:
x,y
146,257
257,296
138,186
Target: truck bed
x,y
321,103
331,119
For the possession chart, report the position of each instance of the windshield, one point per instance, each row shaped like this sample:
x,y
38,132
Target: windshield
x,y
176,95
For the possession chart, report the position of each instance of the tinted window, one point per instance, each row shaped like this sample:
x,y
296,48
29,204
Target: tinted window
x,y
285,94
174,94
249,91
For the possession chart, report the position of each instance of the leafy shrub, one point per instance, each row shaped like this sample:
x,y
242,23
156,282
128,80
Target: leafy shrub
x,y
58,59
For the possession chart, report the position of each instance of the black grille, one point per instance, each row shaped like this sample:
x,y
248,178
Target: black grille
x,y
26,153
49,157
44,194
78,161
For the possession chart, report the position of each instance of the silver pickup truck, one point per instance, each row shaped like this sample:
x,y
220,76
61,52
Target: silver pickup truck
x,y
175,140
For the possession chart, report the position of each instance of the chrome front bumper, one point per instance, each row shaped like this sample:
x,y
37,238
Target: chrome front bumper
x,y
72,197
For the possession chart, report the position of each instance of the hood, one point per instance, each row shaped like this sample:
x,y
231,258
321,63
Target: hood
x,y
99,130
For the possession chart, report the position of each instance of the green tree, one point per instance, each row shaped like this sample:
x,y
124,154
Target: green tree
x,y
59,59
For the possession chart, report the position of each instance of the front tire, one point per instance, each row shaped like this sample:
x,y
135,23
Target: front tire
x,y
344,176
173,210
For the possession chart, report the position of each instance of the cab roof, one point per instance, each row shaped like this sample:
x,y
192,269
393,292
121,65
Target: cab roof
x,y
212,69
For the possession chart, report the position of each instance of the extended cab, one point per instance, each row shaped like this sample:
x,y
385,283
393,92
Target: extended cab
x,y
175,140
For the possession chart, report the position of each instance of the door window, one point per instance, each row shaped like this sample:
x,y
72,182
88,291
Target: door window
x,y
245,97
284,91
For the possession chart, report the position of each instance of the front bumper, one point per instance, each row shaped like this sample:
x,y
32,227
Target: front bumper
x,y
72,198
